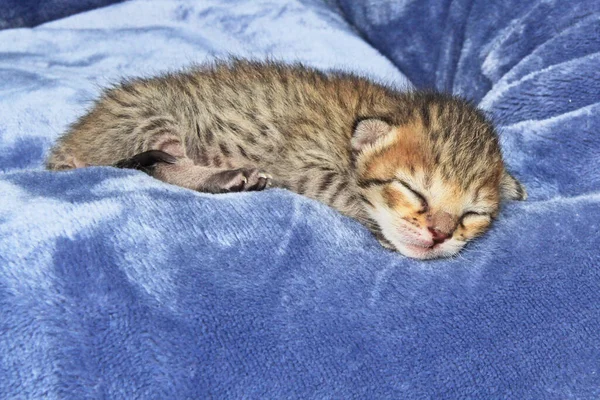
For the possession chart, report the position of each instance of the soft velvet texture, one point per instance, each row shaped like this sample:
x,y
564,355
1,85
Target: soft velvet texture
x,y
115,285
19,13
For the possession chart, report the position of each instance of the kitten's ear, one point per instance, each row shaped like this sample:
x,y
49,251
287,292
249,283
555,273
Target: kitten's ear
x,y
367,132
511,189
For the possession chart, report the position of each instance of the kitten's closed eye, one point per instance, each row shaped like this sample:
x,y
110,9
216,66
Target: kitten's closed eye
x,y
473,215
403,187
420,198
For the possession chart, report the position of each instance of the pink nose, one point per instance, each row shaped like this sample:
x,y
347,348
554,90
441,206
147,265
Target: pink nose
x,y
438,236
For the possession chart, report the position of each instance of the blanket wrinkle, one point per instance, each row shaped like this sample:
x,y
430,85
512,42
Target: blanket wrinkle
x,y
570,38
116,285
287,235
512,37
554,77
531,124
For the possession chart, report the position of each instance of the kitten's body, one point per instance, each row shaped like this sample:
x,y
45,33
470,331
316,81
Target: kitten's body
x,y
301,126
294,123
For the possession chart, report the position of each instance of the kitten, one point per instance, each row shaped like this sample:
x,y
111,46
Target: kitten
x,y
423,171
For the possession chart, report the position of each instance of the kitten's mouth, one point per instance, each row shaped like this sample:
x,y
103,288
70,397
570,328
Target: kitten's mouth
x,y
425,252
420,252
416,247
436,250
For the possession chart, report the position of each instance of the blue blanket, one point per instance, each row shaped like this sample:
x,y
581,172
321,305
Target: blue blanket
x,y
115,285
19,13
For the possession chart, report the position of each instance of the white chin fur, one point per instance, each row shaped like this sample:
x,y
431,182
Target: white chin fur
x,y
446,249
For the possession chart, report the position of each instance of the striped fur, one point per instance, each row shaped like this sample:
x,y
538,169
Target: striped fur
x,y
303,127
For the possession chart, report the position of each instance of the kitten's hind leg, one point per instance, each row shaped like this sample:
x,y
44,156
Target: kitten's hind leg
x,y
61,159
211,180
182,172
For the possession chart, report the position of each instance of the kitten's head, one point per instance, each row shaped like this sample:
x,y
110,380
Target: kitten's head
x,y
435,182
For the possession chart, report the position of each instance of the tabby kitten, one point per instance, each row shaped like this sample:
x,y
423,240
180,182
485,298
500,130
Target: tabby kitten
x,y
423,171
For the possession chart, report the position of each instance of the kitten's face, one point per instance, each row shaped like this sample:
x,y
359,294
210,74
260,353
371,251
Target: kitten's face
x,y
432,187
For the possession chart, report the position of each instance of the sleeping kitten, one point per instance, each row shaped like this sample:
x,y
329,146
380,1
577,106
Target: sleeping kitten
x,y
423,171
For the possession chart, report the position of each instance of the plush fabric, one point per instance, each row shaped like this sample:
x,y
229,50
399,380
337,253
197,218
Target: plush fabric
x,y
533,65
19,13
115,285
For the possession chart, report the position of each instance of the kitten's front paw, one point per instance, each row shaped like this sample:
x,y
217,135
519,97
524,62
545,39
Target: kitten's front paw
x,y
240,180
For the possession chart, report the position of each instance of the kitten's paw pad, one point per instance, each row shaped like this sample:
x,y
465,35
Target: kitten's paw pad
x,y
240,180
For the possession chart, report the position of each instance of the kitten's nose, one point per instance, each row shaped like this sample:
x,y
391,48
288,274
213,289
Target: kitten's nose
x,y
441,226
438,236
